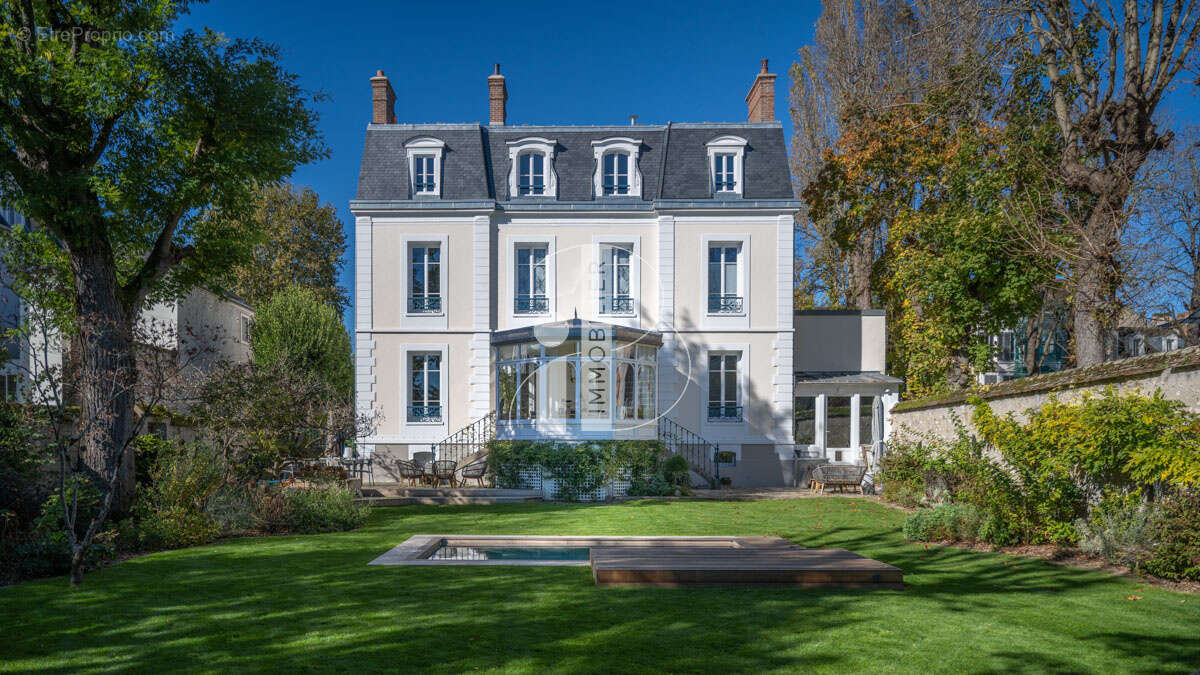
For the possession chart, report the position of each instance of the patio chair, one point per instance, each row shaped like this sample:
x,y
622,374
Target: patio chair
x,y
410,473
837,475
476,471
443,470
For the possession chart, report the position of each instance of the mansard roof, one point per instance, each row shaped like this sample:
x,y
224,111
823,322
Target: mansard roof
x,y
673,159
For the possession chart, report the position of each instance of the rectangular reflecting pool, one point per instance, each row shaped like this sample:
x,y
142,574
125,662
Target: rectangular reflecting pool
x,y
510,553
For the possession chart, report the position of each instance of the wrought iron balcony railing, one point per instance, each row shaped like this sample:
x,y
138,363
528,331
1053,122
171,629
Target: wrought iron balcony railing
x,y
724,413
616,305
725,304
426,304
531,304
425,413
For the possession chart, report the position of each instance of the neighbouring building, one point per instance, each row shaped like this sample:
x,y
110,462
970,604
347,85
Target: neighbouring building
x,y
184,339
584,282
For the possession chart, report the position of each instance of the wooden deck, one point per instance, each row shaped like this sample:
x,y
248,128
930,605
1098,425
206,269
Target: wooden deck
x,y
670,560
753,566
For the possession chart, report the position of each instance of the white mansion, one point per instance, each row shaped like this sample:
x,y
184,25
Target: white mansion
x,y
494,263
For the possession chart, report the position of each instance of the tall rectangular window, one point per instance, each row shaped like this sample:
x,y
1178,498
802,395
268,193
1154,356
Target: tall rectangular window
x,y
425,393
724,399
724,296
531,178
1007,346
616,279
866,420
616,174
724,179
806,420
837,421
530,292
425,279
424,178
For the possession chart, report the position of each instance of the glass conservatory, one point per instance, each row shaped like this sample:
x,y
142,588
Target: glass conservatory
x,y
576,379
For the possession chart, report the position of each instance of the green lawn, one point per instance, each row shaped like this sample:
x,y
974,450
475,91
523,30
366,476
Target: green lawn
x,y
311,602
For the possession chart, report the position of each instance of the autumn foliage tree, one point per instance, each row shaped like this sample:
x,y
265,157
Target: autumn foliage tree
x,y
950,274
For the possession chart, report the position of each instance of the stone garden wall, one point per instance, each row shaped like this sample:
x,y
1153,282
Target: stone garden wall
x,y
1176,374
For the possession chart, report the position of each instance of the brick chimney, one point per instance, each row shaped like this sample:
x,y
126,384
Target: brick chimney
x,y
383,100
497,98
760,102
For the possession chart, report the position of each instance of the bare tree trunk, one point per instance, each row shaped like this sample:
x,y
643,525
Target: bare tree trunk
x,y
106,370
862,265
1033,339
1089,307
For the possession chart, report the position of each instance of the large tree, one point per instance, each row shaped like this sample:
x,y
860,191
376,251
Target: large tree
x,y
300,243
869,57
296,328
1107,70
114,133
950,275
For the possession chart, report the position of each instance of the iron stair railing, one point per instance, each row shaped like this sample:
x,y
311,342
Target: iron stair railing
x,y
468,440
701,454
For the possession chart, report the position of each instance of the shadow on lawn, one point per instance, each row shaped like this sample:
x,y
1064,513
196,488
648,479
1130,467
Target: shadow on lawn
x,y
273,604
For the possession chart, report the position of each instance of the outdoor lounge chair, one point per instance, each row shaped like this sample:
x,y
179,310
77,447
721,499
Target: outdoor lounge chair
x,y
410,473
443,470
837,475
476,471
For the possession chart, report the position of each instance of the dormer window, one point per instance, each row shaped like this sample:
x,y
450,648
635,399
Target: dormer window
x,y
617,173
425,166
531,180
424,180
531,172
726,165
724,179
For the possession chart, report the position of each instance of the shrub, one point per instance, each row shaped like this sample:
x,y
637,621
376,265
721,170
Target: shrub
x,y
1175,553
903,495
958,522
1118,529
147,448
310,510
578,469
175,527
232,508
676,471
22,456
170,510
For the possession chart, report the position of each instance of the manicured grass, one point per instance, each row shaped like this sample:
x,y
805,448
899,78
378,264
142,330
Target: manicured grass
x,y
311,602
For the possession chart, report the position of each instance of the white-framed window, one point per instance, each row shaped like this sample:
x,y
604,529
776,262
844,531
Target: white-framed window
x,y
616,281
1007,346
617,173
724,178
531,172
244,323
425,387
724,386
726,164
531,279
425,279
725,293
425,166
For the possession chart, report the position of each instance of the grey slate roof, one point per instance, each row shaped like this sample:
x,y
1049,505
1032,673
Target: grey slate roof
x,y
475,164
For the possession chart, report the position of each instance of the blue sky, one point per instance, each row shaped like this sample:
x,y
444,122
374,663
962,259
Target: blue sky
x,y
565,63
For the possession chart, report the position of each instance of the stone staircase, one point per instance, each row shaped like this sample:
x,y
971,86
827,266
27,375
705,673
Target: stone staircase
x,y
403,495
